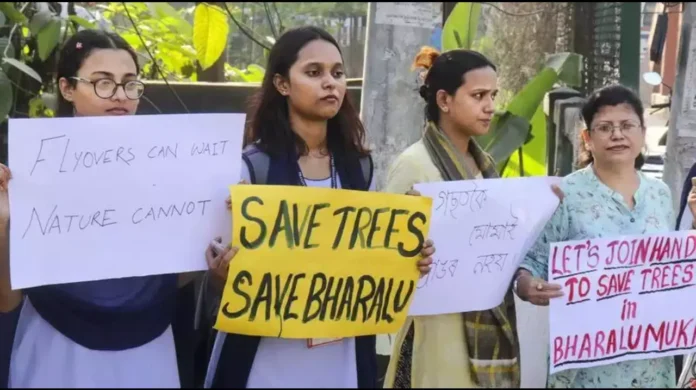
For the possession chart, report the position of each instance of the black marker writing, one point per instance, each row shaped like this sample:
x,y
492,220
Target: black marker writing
x,y
440,269
327,298
494,262
155,213
494,231
57,223
209,148
163,152
38,156
450,201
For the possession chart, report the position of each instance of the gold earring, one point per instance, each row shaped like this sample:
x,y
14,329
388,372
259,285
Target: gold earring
x,y
445,109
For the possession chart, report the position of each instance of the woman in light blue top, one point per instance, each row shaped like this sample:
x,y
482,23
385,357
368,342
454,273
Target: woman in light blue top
x,y
607,197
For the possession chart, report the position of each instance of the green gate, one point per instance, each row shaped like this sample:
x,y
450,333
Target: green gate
x,y
608,36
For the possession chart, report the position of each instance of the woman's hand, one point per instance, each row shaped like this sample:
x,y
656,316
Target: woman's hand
x,y
559,193
5,176
536,291
228,201
691,201
424,264
218,258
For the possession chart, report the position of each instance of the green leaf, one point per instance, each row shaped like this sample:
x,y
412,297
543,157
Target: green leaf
x,y
169,16
4,43
526,101
3,19
40,20
82,22
571,72
36,107
132,39
210,30
5,96
461,26
508,131
48,38
511,130
533,151
12,13
191,54
23,67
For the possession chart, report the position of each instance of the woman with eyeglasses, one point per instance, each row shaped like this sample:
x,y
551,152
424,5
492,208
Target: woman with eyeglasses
x,y
607,197
107,333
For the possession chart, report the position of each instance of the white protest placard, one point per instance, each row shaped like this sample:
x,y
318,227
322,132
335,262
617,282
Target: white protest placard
x,y
625,298
110,197
482,230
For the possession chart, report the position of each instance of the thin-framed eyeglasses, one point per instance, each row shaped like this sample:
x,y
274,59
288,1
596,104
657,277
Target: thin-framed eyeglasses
x,y
106,88
606,129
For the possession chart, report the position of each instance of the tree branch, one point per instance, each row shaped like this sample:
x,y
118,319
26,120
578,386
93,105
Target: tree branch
x,y
152,58
245,32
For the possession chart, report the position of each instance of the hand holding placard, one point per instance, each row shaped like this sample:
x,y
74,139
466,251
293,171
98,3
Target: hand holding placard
x,y
321,263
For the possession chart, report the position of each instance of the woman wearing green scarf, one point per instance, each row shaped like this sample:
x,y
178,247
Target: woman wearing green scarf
x,y
463,350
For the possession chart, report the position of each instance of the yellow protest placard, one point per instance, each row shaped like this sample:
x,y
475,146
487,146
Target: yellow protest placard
x,y
320,262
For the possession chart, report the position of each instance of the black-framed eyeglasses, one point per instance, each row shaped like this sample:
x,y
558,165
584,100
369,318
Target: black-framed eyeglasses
x,y
106,88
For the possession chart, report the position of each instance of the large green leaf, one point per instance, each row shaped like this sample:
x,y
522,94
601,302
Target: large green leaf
x,y
506,135
12,13
525,103
3,19
82,22
5,96
23,67
533,152
47,39
210,30
40,20
461,26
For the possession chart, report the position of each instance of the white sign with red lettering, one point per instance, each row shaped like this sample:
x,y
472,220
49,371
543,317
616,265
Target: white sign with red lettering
x,y
625,298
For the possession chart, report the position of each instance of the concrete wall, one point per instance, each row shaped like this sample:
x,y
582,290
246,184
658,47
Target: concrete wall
x,y
206,97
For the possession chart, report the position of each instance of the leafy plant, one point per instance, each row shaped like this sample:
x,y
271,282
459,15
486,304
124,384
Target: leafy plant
x,y
520,125
209,34
460,27
34,31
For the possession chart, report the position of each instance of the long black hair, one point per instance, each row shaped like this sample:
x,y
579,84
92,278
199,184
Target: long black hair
x,y
74,53
269,124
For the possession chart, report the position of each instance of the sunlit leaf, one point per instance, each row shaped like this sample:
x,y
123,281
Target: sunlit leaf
x,y
185,50
461,26
210,30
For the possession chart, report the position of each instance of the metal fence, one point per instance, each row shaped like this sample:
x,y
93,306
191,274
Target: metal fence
x,y
607,34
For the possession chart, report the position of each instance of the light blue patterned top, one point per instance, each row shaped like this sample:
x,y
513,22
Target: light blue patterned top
x,y
590,209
